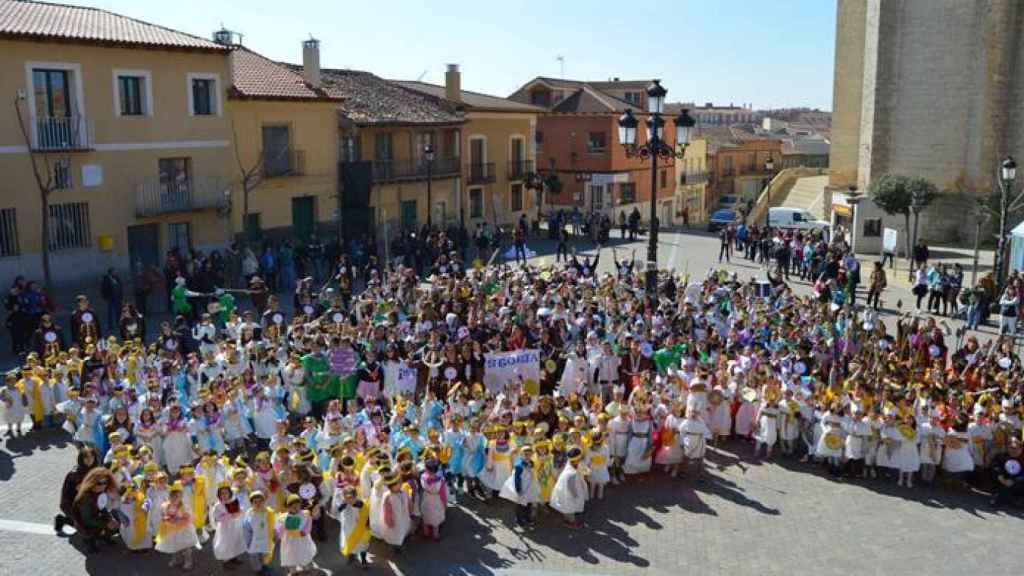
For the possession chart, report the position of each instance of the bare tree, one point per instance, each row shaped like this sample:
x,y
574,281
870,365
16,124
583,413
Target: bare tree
x,y
46,182
250,176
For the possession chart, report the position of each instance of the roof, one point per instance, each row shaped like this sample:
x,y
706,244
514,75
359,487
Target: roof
x,y
257,77
470,99
369,99
20,19
806,146
586,97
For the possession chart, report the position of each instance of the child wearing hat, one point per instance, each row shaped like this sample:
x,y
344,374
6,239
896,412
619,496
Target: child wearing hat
x,y
353,515
293,529
13,404
395,520
433,498
258,531
177,534
570,494
228,542
522,487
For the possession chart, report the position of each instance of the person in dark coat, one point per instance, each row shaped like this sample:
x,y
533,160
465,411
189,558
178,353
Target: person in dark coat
x,y
87,460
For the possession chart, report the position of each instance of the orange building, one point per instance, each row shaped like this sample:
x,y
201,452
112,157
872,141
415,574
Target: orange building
x,y
577,139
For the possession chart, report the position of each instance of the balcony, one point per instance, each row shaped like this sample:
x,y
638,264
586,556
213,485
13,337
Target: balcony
x,y
62,134
285,162
518,169
480,172
155,197
693,178
408,170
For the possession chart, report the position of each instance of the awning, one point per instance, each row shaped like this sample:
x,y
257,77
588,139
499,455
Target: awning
x,y
842,210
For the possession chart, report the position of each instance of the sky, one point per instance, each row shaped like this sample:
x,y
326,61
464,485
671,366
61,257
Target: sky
x,y
771,54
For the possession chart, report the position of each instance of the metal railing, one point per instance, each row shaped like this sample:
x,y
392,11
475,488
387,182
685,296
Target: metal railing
x,y
286,162
414,169
62,133
480,172
154,197
518,169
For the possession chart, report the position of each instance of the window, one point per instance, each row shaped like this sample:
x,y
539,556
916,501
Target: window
x,y
277,158
538,140
872,227
69,226
627,192
517,197
175,175
52,93
203,95
382,146
596,196
179,236
664,179
62,174
424,139
540,98
348,148
476,203
596,142
798,217
8,232
633,98
132,93
409,214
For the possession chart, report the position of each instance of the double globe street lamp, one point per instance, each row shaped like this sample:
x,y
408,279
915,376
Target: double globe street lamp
x,y
655,147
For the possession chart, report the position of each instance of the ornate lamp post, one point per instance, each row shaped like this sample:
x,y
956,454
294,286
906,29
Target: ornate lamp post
x,y
917,201
769,167
853,198
655,147
1008,175
428,155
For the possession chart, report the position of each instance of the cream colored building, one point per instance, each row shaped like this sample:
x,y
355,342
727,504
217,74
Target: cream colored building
x,y
127,122
692,183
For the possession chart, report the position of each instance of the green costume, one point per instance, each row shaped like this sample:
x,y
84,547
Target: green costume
x,y
666,357
179,295
318,378
227,306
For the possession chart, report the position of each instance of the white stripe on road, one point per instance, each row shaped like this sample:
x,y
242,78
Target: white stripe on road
x,y
29,527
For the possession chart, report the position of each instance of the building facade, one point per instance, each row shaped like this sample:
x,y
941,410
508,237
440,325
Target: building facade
x,y
577,139
930,88
692,183
128,127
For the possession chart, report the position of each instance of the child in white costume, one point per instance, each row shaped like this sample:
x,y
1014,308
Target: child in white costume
x,y
396,521
906,458
228,541
694,435
259,528
570,494
767,428
434,496
293,528
933,437
177,535
598,458
523,487
136,533
13,405
670,453
956,458
830,443
353,515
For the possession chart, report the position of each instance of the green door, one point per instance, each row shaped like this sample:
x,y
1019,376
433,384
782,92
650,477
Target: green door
x,y
303,217
409,214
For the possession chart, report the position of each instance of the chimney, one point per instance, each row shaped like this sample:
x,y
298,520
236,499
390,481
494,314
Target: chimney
x,y
311,62
453,83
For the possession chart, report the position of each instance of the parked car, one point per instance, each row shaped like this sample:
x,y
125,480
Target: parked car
x,y
721,218
795,219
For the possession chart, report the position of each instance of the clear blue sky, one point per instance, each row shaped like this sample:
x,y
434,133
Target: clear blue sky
x,y
772,54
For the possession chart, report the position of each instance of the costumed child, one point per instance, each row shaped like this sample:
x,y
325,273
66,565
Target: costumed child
x,y
694,435
194,496
474,458
177,534
433,498
258,529
598,458
830,443
933,437
789,422
956,458
394,510
871,443
906,458
177,444
618,428
353,515
13,404
522,486
640,447
570,494
499,462
293,530
228,540
157,493
670,453
134,507
858,431
767,427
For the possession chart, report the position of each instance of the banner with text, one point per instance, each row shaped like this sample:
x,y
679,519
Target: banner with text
x,y
502,367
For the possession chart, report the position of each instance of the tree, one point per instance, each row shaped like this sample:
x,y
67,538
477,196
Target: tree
x,y
250,176
46,182
894,194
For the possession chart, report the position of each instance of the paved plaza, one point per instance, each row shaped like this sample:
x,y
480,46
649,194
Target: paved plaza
x,y
747,517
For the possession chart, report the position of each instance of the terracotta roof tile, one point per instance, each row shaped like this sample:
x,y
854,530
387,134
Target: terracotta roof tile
x,y
370,99
258,77
40,20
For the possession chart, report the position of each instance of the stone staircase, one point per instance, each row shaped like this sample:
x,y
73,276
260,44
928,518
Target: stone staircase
x,y
806,193
781,188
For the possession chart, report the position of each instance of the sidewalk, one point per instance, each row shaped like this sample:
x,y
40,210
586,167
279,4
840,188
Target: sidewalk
x,y
900,276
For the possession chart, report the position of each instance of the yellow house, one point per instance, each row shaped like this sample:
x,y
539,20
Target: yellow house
x,y
692,183
499,140
128,127
284,151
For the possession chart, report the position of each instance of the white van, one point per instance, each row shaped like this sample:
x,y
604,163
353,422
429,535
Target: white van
x,y
795,219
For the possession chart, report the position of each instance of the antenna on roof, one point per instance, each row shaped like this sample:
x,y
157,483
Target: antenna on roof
x,y
561,65
420,78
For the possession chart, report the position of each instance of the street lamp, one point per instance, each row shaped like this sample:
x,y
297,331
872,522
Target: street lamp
x,y
853,199
1008,175
428,155
769,167
655,147
917,202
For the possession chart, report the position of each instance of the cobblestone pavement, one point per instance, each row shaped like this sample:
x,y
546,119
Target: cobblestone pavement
x,y
748,517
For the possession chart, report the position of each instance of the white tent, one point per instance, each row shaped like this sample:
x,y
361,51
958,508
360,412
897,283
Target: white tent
x,y
1016,263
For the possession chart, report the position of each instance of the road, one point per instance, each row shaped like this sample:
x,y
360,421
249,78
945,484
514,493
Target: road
x,y
748,517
